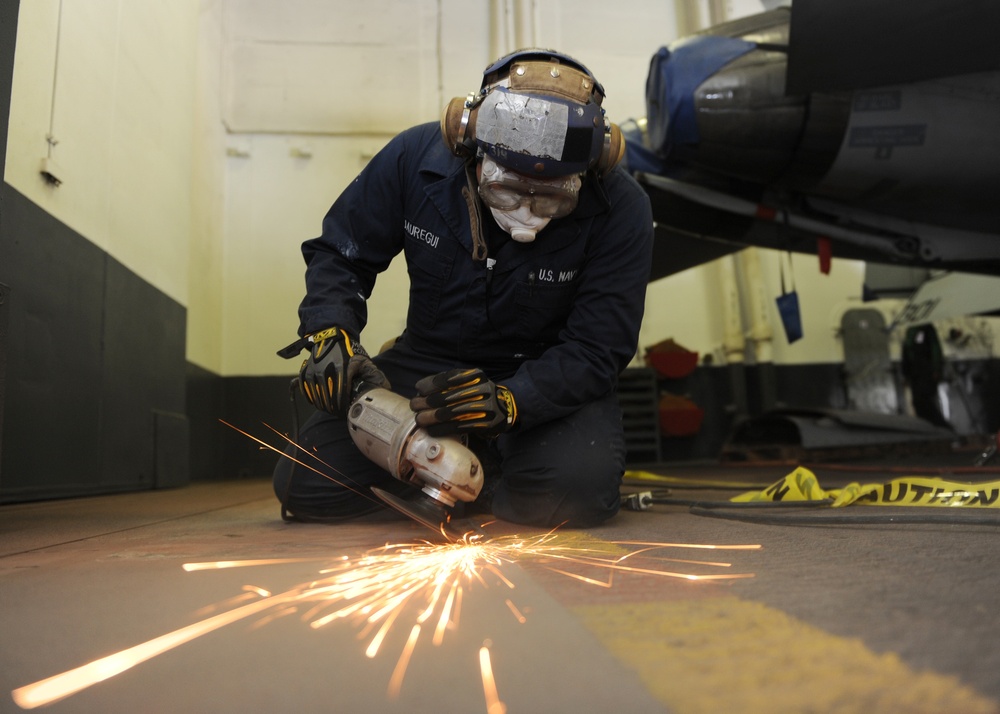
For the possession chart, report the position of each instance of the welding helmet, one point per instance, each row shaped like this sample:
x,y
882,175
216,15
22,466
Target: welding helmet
x,y
537,113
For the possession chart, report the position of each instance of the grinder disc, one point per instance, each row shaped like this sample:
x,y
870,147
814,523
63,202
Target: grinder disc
x,y
424,511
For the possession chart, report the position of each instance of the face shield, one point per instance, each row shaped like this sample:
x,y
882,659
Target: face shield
x,y
506,190
538,135
537,112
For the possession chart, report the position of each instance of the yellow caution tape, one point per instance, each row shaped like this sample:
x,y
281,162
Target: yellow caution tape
x,y
802,485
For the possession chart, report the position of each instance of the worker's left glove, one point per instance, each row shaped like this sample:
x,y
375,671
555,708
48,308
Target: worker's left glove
x,y
463,401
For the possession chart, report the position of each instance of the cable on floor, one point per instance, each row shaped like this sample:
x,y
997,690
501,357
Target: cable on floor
x,y
763,512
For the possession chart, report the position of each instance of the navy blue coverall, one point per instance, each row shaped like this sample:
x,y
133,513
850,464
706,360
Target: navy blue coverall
x,y
555,321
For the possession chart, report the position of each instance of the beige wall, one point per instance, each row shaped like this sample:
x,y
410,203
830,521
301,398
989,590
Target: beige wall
x,y
294,144
112,81
208,197
201,141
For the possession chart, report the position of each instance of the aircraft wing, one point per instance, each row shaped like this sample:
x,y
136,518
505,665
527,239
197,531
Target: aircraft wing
x,y
906,172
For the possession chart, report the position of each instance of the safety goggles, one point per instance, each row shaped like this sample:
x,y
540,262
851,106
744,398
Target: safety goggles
x,y
507,190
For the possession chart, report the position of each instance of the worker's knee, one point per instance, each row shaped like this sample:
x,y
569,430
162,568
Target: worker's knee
x,y
567,473
570,507
322,477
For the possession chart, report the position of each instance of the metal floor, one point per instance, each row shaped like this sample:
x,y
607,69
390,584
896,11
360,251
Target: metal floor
x,y
836,618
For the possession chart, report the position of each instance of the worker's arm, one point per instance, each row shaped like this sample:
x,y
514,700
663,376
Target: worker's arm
x,y
361,235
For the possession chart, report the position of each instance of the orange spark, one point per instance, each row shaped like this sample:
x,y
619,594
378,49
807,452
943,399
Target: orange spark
x,y
63,685
418,583
517,613
223,564
396,682
493,703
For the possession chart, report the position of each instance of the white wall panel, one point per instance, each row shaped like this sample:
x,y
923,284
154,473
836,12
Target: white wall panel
x,y
115,81
370,70
297,55
679,307
276,198
141,143
208,191
687,307
59,56
373,22
615,42
331,67
151,158
31,96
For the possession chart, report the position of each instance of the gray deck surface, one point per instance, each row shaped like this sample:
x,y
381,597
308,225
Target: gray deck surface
x,y
850,618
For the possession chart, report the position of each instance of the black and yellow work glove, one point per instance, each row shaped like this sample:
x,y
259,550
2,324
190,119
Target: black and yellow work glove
x,y
336,362
463,401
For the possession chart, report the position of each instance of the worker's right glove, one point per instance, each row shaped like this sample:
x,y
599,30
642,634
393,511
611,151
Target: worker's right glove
x,y
463,401
335,363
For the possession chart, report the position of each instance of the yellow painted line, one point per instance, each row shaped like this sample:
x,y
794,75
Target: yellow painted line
x,y
653,479
724,654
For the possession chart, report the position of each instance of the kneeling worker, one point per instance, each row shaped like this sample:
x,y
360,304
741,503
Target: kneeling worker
x,y
528,250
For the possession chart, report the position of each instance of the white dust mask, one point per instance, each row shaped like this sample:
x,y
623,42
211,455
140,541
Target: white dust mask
x,y
520,223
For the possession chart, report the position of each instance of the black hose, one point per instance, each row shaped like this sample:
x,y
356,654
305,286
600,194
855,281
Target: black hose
x,y
846,518
752,512
738,504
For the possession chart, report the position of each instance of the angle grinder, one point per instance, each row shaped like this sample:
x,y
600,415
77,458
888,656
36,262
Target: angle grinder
x,y
384,429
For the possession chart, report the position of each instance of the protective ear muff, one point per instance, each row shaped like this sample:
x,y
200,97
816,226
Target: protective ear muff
x,y
458,125
613,151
